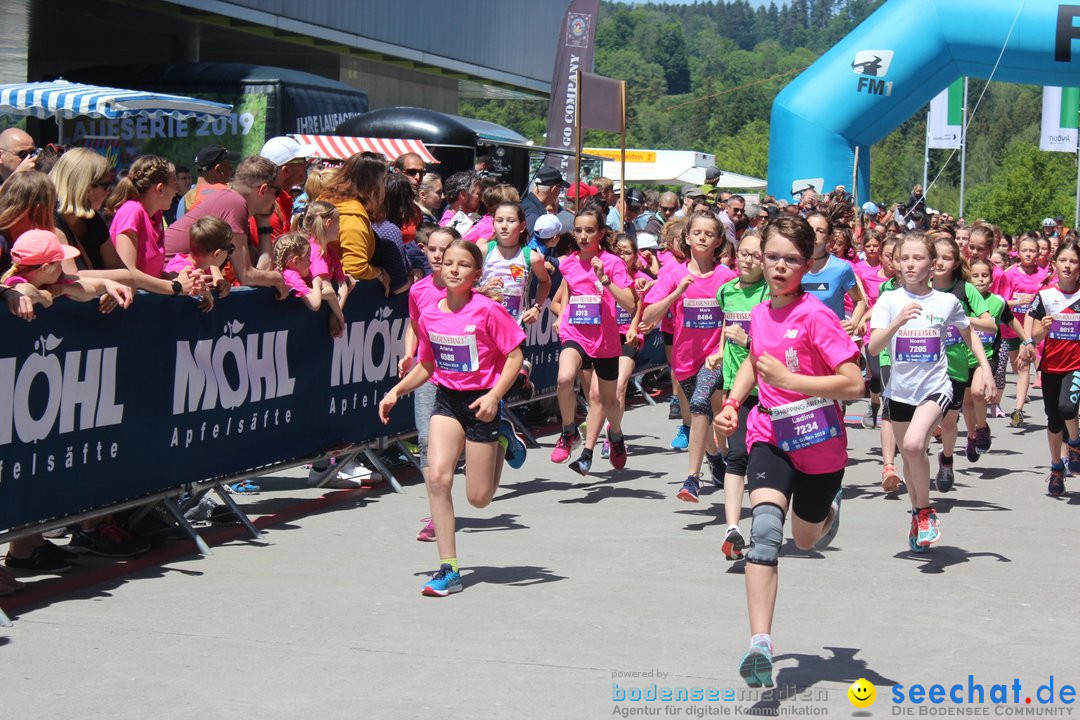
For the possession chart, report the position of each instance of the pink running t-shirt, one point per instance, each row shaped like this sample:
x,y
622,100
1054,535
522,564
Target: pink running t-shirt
x,y
178,262
699,321
624,316
295,282
422,294
806,336
132,219
666,258
326,266
589,315
872,280
469,347
1018,281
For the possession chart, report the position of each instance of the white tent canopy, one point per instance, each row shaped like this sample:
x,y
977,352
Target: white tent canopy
x,y
671,166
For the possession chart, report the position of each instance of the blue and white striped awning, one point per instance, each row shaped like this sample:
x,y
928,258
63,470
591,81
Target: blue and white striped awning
x,y
63,99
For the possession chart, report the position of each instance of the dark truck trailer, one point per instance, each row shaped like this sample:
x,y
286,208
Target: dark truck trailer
x,y
268,101
455,141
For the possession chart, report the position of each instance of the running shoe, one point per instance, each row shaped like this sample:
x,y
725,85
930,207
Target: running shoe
x,y
618,453
515,446
913,535
929,531
427,533
582,465
945,477
718,468
825,540
605,448
756,666
690,489
970,450
681,441
40,561
674,413
1016,418
106,540
1074,458
1056,482
733,544
869,418
442,583
890,480
982,440
563,446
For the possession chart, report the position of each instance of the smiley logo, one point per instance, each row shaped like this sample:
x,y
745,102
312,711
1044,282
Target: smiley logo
x,y
861,693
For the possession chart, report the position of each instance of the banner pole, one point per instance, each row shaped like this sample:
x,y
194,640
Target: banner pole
x,y
577,148
1076,216
622,160
854,179
926,160
963,149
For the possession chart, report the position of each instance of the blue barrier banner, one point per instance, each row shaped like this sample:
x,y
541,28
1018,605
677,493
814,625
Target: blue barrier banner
x,y
97,409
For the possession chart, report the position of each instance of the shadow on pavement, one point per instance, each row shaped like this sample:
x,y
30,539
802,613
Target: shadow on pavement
x,y
943,504
606,492
840,666
506,521
940,557
516,576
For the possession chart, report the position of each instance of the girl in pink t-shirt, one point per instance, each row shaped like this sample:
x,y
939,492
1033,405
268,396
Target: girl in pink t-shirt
x,y
804,363
471,349
292,258
689,291
595,282
1023,282
137,230
679,407
630,336
873,271
322,224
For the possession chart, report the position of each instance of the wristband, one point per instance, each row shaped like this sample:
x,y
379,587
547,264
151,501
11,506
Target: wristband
x,y
732,403
606,281
1029,341
599,286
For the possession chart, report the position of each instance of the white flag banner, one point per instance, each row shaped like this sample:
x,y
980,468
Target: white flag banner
x,y
1059,119
944,124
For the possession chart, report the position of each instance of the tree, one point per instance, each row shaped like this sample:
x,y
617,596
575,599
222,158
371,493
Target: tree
x,y
1029,185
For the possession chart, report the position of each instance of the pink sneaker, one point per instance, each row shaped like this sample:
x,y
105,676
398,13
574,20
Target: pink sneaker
x,y
563,446
428,533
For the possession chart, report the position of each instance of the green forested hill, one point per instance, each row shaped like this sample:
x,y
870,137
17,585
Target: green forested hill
x,y
704,77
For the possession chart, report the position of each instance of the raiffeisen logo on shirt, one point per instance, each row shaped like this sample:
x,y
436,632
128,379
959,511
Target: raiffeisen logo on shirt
x,y
48,394
368,353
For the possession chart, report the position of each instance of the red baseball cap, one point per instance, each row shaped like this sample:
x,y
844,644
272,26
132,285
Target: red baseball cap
x,y
38,247
584,189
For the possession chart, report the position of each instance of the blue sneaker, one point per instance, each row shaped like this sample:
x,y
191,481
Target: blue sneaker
x,y
1074,458
690,489
681,441
756,666
515,446
443,582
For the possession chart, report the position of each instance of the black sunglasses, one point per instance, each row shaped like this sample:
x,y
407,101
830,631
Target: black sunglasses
x,y
21,154
413,172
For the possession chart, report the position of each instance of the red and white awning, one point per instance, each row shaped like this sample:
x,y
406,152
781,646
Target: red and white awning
x,y
335,147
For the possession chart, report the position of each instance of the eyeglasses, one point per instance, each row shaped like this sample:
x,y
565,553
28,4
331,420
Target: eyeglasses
x,y
665,208
414,172
737,211
791,261
275,188
21,154
744,255
103,184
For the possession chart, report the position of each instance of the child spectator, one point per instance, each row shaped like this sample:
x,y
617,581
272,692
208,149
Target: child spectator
x,y
322,224
35,272
292,258
210,247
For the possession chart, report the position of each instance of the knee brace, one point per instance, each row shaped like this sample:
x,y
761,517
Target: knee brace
x,y
766,534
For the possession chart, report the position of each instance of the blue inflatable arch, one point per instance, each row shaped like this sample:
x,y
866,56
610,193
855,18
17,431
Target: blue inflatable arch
x,y
893,64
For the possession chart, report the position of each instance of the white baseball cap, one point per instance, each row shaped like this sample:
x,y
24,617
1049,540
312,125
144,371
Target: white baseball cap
x,y
547,227
283,149
646,241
